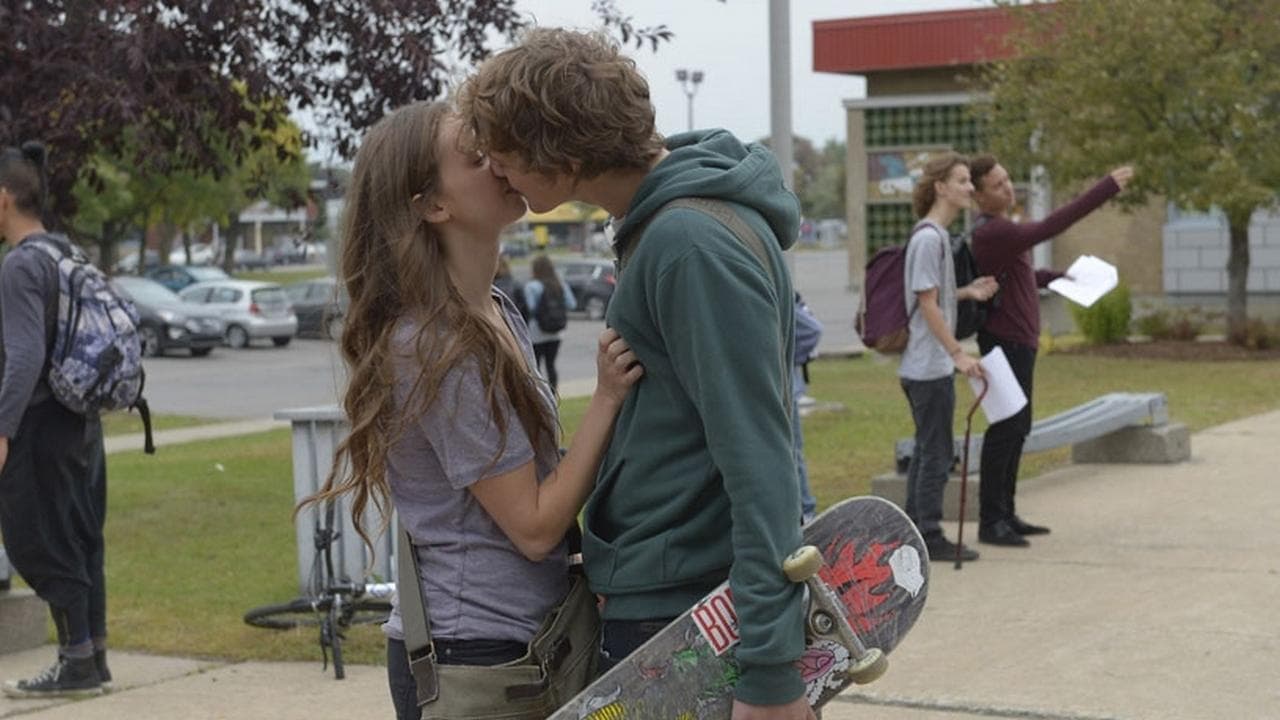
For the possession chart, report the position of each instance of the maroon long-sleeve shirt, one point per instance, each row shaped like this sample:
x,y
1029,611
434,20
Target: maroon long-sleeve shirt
x,y
1002,249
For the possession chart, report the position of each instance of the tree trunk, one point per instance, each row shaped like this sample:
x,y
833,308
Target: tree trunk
x,y
230,243
1238,276
107,249
164,233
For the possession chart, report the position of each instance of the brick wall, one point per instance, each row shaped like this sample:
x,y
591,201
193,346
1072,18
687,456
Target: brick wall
x,y
1196,247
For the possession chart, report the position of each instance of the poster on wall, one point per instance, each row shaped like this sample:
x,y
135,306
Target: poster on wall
x,y
892,174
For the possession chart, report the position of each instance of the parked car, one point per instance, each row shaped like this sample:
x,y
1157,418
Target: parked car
x,y
321,306
177,277
168,323
592,283
250,309
128,262
201,254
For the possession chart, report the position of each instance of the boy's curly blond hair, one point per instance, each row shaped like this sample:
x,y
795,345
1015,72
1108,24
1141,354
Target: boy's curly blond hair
x,y
564,102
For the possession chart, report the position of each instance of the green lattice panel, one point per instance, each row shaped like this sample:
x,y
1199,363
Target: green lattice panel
x,y
942,125
888,224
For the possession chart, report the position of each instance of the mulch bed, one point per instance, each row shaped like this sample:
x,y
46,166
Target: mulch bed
x,y
1173,350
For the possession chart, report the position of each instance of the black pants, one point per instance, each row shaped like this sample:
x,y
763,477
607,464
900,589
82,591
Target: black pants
x,y
544,355
404,690
1002,443
620,638
53,503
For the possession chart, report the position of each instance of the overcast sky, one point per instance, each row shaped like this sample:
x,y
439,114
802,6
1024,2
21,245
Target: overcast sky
x,y
729,42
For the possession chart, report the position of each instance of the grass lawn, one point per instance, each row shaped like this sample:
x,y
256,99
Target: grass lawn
x,y
124,423
190,546
281,277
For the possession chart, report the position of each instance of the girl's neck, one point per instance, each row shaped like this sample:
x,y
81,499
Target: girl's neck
x,y
472,263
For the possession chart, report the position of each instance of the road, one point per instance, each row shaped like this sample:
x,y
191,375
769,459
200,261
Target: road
x,y
257,381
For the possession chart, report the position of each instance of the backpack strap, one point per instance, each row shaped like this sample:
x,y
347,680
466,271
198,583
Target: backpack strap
x,y
946,240
721,212
413,616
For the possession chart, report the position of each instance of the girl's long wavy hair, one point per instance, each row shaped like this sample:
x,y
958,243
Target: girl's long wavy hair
x,y
393,266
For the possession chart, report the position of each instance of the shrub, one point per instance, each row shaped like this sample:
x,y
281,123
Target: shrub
x,y
1173,323
1258,335
1107,320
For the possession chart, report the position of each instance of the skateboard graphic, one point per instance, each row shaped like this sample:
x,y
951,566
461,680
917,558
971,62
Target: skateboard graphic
x,y
867,575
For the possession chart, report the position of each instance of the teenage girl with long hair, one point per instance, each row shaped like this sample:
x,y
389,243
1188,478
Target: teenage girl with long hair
x,y
449,421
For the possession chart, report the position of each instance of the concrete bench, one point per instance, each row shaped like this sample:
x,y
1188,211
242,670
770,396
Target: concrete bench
x,y
1112,428
23,620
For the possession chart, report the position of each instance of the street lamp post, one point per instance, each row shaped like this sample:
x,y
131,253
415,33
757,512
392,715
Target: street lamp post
x,y
689,81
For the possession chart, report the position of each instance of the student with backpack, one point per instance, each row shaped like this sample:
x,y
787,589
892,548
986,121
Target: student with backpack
x,y
933,355
52,468
549,301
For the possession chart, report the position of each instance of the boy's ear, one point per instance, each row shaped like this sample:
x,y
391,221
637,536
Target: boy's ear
x,y
430,209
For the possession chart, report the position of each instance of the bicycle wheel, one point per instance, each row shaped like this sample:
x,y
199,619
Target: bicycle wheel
x,y
300,612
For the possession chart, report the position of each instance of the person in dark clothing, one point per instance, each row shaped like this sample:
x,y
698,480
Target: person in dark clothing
x,y
546,341
1002,249
52,466
504,280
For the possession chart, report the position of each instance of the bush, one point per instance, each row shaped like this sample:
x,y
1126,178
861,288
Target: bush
x,y
1174,323
1258,335
1107,321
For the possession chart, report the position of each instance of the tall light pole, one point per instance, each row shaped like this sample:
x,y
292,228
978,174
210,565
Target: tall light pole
x,y
689,81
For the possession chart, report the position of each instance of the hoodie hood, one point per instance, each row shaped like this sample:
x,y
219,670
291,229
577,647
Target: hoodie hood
x,y
715,164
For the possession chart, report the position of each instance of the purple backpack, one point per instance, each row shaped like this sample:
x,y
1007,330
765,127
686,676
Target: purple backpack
x,y
882,314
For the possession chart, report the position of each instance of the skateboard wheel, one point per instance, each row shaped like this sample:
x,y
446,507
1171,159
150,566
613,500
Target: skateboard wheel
x,y
870,667
820,623
802,564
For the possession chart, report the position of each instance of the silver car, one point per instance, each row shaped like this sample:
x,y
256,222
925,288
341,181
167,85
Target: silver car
x,y
250,309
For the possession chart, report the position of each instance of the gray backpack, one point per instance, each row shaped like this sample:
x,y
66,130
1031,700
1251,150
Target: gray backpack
x,y
96,360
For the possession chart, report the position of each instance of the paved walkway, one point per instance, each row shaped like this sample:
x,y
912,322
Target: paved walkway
x,y
1155,597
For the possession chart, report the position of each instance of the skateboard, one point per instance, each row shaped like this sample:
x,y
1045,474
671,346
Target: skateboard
x,y
866,573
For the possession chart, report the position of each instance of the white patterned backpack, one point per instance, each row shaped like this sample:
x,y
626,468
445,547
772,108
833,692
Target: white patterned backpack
x,y
96,360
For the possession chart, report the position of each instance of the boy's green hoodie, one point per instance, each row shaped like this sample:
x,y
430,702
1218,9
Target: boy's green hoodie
x,y
699,481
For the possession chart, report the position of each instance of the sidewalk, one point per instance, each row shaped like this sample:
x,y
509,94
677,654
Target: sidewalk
x,y
1155,597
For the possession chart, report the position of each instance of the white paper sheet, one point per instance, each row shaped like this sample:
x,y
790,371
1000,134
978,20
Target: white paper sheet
x,y
1091,278
1004,396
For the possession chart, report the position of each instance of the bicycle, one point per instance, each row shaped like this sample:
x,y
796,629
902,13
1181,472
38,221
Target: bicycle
x,y
334,604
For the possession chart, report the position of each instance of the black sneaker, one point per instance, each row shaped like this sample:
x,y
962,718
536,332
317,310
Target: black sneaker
x,y
67,677
943,550
104,673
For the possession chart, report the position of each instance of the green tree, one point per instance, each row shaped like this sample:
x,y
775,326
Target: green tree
x,y
825,196
117,197
1186,90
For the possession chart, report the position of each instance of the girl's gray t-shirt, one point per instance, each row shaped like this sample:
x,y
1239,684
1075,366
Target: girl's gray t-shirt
x,y
928,265
476,583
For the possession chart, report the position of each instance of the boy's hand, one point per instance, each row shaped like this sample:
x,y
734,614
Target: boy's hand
x,y
1122,175
981,289
968,365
